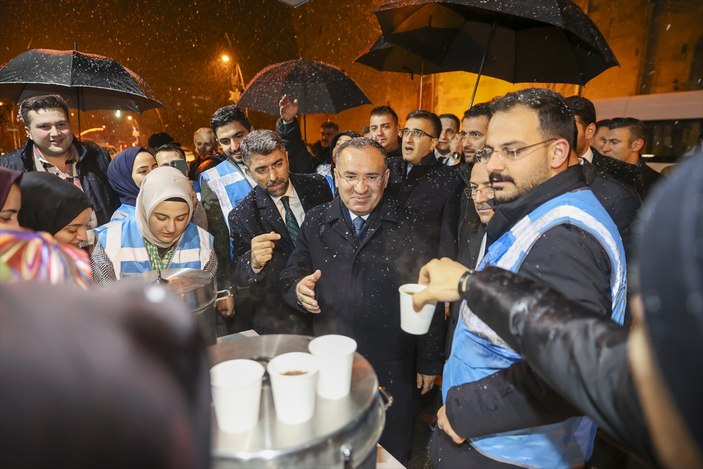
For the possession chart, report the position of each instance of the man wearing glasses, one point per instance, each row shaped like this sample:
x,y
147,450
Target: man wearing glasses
x,y
351,257
547,226
429,187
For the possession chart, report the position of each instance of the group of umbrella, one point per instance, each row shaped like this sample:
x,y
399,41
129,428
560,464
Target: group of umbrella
x,y
545,41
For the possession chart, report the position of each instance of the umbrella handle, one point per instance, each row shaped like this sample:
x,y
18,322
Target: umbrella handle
x,y
483,62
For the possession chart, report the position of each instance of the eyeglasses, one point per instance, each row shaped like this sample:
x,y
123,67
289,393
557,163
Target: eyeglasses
x,y
353,179
483,155
416,133
487,192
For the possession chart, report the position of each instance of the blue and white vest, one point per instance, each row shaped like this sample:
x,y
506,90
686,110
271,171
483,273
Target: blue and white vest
x,y
123,211
477,351
229,185
124,246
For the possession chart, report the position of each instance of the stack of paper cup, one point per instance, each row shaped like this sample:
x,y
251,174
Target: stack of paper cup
x,y
236,393
410,321
336,355
293,383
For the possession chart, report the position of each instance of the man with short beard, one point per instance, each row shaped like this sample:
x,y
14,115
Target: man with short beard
x,y
474,126
547,226
264,229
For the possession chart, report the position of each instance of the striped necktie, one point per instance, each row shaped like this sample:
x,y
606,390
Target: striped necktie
x,y
291,222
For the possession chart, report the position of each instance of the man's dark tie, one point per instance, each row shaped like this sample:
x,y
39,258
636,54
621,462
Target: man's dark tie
x,y
291,222
358,227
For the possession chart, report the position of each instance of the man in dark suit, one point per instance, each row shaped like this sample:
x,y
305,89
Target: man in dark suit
x,y
588,142
625,142
430,187
264,229
352,256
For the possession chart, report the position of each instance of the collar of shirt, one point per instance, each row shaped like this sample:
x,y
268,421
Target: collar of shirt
x,y
295,205
42,164
588,156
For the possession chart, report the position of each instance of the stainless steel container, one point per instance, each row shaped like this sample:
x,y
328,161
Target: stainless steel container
x,y
342,433
196,288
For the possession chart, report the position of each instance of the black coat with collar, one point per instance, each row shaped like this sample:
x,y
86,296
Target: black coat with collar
x,y
358,297
259,303
92,172
434,190
640,176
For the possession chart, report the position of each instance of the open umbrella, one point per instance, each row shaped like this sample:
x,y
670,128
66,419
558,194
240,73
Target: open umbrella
x,y
388,57
550,41
320,87
86,81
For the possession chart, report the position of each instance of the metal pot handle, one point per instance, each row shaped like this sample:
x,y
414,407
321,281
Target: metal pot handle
x,y
386,396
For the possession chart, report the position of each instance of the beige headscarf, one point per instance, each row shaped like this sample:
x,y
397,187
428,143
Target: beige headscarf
x,y
161,184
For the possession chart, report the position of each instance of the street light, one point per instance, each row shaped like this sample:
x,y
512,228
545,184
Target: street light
x,y
236,79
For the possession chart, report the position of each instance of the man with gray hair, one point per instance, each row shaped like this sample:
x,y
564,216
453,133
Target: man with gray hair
x,y
264,229
205,146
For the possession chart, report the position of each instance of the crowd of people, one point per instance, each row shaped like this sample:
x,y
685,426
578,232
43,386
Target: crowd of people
x,y
529,201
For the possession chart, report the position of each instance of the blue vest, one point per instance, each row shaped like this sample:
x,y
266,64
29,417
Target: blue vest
x,y
478,352
124,246
123,211
229,185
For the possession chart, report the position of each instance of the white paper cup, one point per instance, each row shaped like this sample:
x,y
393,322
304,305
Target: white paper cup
x,y
236,393
294,383
336,355
410,321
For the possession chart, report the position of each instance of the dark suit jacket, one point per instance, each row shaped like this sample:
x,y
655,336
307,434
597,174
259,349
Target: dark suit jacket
x,y
259,303
358,297
434,189
622,201
639,176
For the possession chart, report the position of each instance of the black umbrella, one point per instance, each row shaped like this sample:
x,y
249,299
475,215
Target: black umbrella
x,y
86,81
320,87
385,56
550,41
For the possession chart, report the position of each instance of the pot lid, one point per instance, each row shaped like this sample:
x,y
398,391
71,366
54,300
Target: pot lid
x,y
194,286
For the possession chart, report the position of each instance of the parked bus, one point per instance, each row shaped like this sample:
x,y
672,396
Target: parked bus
x,y
673,122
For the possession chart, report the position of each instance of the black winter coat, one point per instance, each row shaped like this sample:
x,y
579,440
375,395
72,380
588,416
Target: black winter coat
x,y
262,306
92,171
358,295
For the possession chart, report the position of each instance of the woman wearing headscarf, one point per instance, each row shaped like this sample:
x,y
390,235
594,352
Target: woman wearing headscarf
x,y
26,255
56,206
159,235
125,174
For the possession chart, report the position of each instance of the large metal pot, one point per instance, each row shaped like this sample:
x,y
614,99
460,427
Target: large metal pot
x,y
342,433
196,288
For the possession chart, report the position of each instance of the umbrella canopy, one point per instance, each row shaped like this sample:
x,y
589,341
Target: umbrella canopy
x,y
320,87
550,41
385,56
86,81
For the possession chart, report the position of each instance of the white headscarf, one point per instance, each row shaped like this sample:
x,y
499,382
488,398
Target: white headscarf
x,y
161,184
